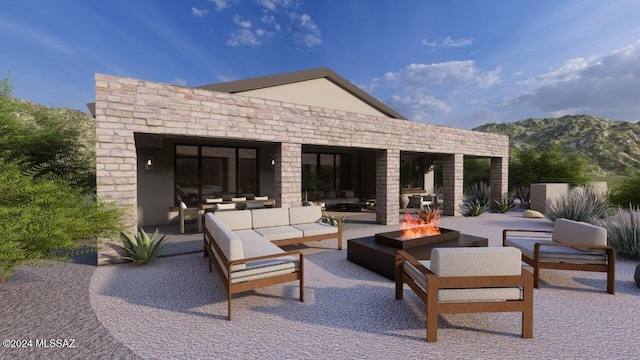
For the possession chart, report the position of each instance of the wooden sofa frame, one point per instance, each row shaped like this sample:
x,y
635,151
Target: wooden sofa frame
x,y
537,264
251,284
435,283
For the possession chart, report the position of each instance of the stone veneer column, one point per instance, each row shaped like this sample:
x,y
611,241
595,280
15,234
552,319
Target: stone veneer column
x,y
387,186
499,178
288,175
452,174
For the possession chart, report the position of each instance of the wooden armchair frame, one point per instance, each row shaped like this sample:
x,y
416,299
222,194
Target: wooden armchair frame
x,y
435,283
537,263
232,288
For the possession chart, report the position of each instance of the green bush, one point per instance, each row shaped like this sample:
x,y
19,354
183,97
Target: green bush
x,y
584,204
627,191
53,141
476,171
552,165
477,199
623,232
41,215
141,248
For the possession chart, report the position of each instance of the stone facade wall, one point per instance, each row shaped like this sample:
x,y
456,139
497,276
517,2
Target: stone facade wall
x,y
125,106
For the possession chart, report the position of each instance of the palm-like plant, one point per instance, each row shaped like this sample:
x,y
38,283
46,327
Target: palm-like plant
x,y
141,248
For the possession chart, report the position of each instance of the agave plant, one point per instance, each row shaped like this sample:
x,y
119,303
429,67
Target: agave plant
x,y
623,232
474,207
504,205
477,199
141,248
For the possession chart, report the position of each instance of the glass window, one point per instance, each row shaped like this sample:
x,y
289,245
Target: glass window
x,y
322,171
212,172
186,177
247,172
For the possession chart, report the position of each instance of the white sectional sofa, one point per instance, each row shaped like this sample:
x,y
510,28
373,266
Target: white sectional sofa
x,y
572,245
243,245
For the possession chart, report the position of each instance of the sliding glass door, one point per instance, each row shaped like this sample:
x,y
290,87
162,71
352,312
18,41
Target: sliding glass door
x,y
204,172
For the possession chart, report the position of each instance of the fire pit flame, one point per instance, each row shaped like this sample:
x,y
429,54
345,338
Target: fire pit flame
x,y
426,224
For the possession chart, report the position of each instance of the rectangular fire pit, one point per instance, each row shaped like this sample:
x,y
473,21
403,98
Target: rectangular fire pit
x,y
379,257
394,239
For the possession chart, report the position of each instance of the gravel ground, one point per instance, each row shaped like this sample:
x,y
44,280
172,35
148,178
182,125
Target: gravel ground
x,y
52,302
173,308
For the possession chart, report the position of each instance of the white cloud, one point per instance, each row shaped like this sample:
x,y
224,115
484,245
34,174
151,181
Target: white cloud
x,y
271,20
601,86
426,91
305,30
198,12
243,37
221,4
429,43
275,5
419,107
448,42
458,74
242,23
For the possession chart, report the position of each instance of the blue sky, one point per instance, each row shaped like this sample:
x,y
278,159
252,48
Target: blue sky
x,y
453,63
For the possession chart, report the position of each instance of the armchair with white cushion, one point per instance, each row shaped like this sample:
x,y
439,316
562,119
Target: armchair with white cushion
x,y
468,280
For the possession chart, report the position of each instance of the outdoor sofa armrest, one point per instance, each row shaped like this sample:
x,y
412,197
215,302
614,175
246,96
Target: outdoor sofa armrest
x,y
571,245
506,231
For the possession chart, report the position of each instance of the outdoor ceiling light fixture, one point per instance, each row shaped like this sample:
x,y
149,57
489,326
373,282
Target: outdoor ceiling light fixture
x,y
148,163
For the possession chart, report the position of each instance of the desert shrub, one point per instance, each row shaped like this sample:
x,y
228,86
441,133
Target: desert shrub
x,y
553,165
142,248
477,199
584,204
627,191
39,216
504,204
623,232
53,141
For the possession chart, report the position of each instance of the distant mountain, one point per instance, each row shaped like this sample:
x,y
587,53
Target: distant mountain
x,y
612,146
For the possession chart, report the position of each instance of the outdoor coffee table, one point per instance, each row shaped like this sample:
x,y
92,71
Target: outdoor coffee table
x,y
380,257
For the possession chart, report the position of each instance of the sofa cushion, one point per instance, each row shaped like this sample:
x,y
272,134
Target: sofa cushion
x,y
304,214
460,295
314,229
235,220
231,246
279,232
476,261
263,218
266,268
557,254
569,231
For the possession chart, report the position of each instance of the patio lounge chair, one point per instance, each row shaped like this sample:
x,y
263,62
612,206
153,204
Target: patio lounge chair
x,y
468,280
572,245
